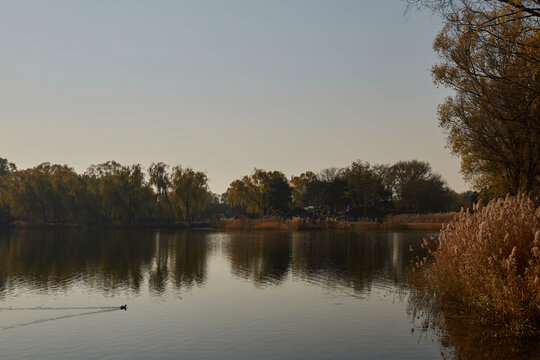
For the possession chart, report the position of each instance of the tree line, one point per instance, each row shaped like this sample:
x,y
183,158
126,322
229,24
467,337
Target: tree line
x,y
112,193
357,191
104,193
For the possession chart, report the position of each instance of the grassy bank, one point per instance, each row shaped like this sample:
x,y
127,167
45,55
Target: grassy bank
x,y
487,263
399,222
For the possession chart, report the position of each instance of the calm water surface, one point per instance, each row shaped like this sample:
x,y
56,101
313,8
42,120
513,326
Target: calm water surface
x,y
211,295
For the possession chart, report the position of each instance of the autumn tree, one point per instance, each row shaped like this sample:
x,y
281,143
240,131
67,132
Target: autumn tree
x,y
239,195
510,9
490,52
305,189
261,193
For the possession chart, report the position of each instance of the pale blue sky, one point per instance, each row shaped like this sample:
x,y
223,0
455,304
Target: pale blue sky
x,y
220,86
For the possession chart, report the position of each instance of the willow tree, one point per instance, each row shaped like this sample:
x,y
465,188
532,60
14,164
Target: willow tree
x,y
305,190
238,194
117,192
490,52
160,179
261,193
191,190
51,192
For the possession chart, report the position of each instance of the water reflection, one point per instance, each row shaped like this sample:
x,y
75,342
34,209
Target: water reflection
x,y
264,258
353,260
179,258
461,338
109,261
104,261
152,263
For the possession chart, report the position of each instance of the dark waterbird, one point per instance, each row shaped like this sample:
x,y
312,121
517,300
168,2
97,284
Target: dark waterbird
x,y
123,307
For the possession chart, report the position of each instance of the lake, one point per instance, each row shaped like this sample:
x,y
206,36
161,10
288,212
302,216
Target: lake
x,y
202,294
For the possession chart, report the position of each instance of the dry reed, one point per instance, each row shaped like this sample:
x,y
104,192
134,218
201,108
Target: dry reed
x,y
488,262
277,223
438,218
398,222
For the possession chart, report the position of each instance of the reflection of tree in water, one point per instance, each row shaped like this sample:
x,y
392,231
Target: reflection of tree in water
x,y
159,274
55,259
119,257
190,254
104,260
346,259
461,338
184,255
263,257
352,259
111,260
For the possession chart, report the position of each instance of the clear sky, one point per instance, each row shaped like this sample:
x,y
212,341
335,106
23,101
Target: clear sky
x,y
221,86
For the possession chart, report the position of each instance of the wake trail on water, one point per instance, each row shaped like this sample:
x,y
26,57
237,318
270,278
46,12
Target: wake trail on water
x,y
104,310
58,308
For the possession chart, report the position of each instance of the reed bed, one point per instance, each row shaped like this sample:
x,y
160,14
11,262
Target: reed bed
x,y
428,222
275,223
245,223
488,263
438,218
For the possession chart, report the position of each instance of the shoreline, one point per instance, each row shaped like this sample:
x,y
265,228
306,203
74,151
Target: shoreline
x,y
344,226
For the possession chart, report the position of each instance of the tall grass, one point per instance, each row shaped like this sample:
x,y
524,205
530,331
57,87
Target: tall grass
x,y
488,262
420,218
275,223
245,223
396,222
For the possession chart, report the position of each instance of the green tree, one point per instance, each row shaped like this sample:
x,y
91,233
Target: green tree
x,y
279,193
49,192
362,185
191,190
383,173
6,170
417,189
333,187
6,167
160,179
120,192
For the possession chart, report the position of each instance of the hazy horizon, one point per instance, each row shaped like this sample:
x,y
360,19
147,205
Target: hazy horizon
x,y
220,86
